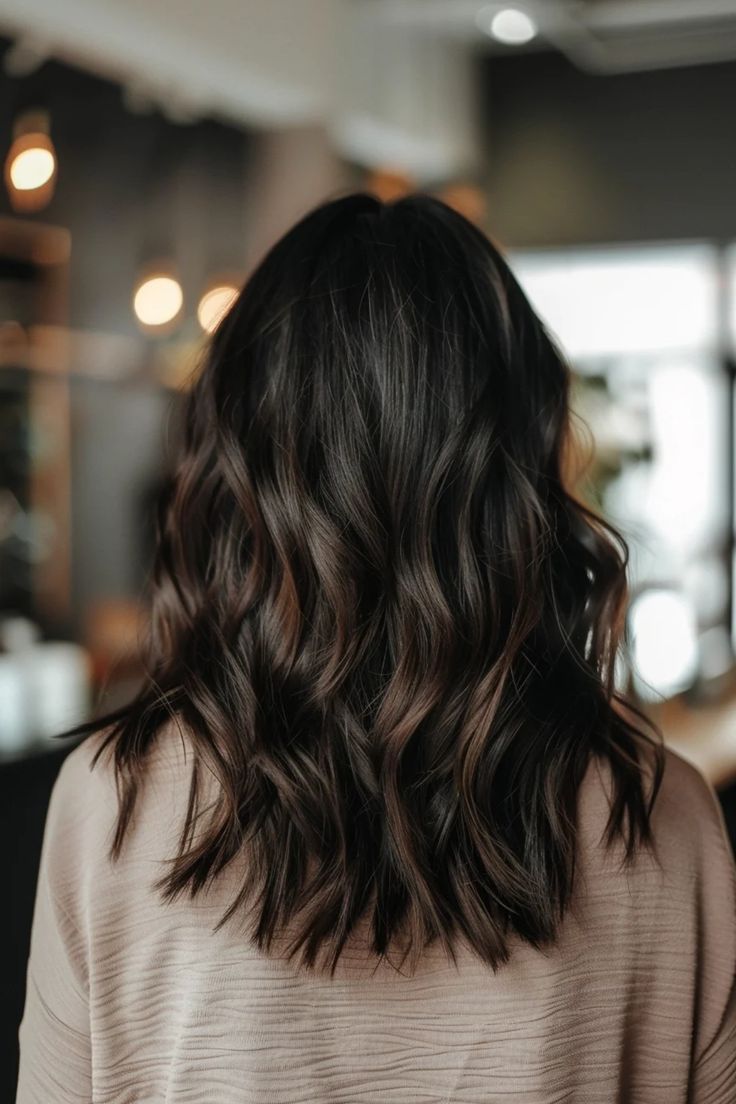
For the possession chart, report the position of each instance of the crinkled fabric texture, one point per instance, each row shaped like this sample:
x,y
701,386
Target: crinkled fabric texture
x,y
131,1000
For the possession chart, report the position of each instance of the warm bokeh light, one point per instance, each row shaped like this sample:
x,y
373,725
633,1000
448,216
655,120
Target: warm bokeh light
x,y
31,163
509,25
157,300
214,305
389,184
467,199
32,168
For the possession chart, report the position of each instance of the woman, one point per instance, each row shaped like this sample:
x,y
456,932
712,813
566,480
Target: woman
x,y
386,831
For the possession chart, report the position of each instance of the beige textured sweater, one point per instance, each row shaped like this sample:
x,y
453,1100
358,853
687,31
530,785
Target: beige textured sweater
x,y
130,1000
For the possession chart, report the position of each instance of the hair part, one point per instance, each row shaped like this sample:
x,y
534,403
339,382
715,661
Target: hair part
x,y
387,625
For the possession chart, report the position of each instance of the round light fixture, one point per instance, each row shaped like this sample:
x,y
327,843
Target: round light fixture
x,y
511,26
30,166
157,300
214,305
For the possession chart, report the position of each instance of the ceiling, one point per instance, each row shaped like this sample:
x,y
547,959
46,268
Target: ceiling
x,y
388,76
597,35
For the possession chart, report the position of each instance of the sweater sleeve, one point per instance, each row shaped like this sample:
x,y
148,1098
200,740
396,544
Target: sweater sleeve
x,y
714,1058
54,1034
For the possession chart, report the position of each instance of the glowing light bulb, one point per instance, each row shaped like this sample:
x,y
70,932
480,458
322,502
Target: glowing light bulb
x,y
157,300
214,305
31,163
32,168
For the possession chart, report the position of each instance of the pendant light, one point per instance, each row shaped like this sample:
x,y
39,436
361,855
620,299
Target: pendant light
x,y
31,163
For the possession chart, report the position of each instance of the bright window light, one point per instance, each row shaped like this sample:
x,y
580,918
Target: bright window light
x,y
604,302
664,642
687,493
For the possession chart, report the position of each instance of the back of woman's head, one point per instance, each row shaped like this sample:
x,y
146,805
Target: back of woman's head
x,y
386,623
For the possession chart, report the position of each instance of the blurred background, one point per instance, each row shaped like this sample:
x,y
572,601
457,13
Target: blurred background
x,y
153,151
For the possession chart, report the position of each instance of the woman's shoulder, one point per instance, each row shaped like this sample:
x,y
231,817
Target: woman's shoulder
x,y
686,816
686,795
689,842
88,770
84,803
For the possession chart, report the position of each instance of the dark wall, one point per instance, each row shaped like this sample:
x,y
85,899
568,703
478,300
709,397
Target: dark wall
x,y
573,157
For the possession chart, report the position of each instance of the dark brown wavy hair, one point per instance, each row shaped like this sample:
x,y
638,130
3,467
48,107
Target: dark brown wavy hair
x,y
387,625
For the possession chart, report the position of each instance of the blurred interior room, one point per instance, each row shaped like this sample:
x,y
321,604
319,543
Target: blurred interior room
x,y
152,151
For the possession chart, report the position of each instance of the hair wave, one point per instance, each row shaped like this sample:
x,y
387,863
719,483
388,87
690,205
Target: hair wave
x,y
386,622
